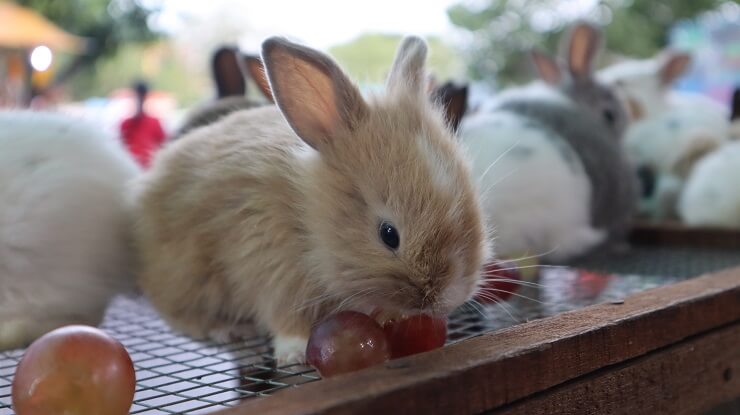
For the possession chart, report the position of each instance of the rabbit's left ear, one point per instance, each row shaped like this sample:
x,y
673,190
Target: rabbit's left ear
x,y
316,97
674,65
547,67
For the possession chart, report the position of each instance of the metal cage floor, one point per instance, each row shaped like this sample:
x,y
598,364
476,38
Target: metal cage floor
x,y
177,375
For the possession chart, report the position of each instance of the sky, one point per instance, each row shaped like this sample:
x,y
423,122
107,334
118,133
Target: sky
x,y
319,23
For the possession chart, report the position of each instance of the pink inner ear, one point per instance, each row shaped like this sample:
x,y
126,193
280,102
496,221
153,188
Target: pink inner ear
x,y
306,95
674,68
582,49
547,68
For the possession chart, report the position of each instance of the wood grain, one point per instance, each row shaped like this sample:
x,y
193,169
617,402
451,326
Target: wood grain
x,y
498,368
690,377
674,233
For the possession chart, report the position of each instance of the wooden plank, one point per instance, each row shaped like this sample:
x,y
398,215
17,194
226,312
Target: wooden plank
x,y
500,367
690,377
675,233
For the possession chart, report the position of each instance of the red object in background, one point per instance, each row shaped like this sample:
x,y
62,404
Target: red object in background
x,y
74,370
345,342
143,135
591,284
500,282
415,334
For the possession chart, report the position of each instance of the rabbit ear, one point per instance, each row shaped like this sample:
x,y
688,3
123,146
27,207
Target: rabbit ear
x,y
454,100
256,70
674,65
407,73
314,95
583,45
548,69
227,74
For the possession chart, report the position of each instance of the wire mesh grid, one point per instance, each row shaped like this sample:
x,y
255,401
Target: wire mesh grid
x,y
177,375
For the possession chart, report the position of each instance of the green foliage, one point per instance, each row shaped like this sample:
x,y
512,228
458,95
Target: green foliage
x,y
502,31
368,57
108,24
159,63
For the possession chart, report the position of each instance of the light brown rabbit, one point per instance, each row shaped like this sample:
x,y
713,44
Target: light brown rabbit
x,y
327,201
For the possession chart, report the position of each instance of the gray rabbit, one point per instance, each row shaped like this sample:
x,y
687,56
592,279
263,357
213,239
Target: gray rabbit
x,y
558,144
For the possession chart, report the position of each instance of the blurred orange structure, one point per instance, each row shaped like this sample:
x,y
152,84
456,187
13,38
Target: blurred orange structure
x,y
21,30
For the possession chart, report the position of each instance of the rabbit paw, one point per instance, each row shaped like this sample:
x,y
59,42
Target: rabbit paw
x,y
290,350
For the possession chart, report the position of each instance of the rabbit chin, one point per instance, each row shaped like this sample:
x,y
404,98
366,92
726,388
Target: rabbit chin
x,y
384,307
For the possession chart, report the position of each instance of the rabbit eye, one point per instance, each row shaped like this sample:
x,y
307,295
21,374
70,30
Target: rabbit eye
x,y
389,235
609,116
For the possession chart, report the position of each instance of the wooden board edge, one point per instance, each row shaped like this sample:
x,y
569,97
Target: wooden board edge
x,y
500,367
689,377
676,234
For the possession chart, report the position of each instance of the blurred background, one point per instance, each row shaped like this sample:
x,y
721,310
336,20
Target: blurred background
x,y
81,56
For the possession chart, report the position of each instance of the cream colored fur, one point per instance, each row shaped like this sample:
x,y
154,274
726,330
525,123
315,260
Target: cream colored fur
x,y
245,220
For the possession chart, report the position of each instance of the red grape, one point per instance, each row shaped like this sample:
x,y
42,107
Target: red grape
x,y
415,334
74,370
345,342
500,282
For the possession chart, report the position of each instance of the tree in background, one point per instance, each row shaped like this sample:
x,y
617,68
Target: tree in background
x,y
501,31
108,24
368,57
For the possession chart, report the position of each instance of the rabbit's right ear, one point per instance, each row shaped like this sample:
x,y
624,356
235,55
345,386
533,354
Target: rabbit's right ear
x,y
454,100
256,70
226,72
316,98
584,42
407,73
673,66
547,67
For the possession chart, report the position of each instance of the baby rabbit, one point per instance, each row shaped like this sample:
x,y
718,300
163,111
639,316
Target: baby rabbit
x,y
327,201
645,85
671,130
560,183
64,243
711,196
230,70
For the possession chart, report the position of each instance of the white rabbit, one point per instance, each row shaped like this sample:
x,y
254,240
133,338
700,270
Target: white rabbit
x,y
64,249
549,153
665,149
711,196
535,189
671,130
646,86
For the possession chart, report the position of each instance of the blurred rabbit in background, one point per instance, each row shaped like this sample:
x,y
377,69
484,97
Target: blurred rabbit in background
x,y
548,156
671,130
230,71
64,241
